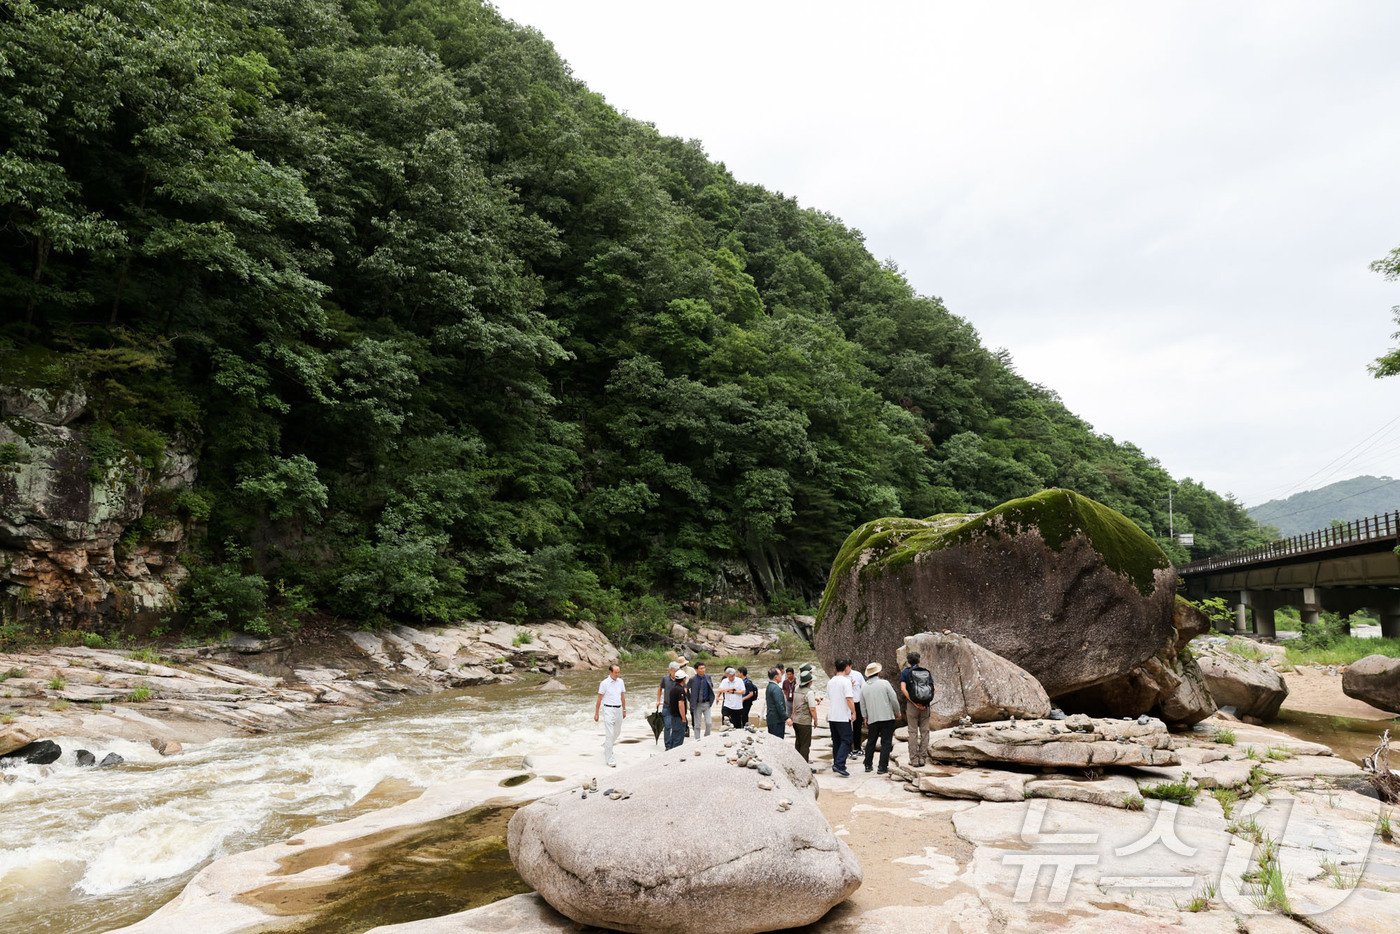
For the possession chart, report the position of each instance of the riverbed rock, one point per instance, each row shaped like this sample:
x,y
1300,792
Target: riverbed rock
x,y
1111,791
40,752
771,869
15,737
1168,685
1251,688
1075,742
1374,679
976,785
970,681
1056,583
85,758
110,761
554,684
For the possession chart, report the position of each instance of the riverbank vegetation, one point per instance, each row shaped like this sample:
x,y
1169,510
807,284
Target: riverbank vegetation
x,y
452,337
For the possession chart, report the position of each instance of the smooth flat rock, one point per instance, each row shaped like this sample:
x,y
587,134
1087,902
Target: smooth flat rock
x,y
970,681
519,914
976,785
1113,791
622,864
1075,742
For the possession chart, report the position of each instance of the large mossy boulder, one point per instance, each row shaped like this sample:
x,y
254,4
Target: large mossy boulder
x,y
1168,685
1056,583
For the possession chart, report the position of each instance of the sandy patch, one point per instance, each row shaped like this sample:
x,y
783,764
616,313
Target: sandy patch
x,y
1314,691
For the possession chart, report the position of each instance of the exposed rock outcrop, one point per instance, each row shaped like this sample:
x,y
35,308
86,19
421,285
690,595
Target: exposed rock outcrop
x,y
1253,689
1169,685
67,500
776,865
1374,679
1064,587
40,752
1075,742
970,681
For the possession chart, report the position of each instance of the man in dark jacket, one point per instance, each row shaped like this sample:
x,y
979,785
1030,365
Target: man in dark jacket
x,y
775,708
702,698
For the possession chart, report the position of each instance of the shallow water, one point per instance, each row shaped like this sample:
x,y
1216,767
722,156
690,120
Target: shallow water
x,y
87,850
1349,737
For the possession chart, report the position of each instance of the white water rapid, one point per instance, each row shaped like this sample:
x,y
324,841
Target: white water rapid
x,y
86,850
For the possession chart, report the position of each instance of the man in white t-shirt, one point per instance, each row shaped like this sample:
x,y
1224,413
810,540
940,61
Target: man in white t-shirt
x,y
612,701
731,692
858,720
840,711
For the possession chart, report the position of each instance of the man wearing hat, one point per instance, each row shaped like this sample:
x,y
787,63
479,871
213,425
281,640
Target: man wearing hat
x,y
881,708
666,681
804,711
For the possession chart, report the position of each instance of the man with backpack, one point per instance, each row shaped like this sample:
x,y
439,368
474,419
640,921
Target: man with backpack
x,y
916,684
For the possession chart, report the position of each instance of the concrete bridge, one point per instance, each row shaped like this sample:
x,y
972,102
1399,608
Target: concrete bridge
x,y
1341,569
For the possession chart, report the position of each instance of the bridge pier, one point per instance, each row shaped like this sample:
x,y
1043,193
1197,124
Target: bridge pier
x,y
1264,620
1390,619
1242,612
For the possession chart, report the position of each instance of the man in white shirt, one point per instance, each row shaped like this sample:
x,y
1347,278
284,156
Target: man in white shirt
x,y
731,692
840,711
857,721
612,701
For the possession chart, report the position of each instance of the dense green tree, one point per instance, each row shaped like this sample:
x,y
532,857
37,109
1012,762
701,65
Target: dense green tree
x,y
452,336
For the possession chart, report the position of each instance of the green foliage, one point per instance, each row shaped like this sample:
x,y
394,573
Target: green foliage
x,y
1225,736
56,683
1183,791
1388,364
1247,649
451,336
1221,615
523,637
1227,798
140,694
1330,647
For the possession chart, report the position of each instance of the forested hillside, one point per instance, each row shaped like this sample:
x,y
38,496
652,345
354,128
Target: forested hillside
x,y
451,336
1344,501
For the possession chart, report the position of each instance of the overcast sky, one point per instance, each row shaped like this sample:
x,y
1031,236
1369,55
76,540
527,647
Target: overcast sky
x,y
1164,211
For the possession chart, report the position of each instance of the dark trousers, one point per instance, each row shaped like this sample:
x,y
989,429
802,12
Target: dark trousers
x,y
675,731
803,732
744,719
855,728
840,745
775,726
735,716
882,733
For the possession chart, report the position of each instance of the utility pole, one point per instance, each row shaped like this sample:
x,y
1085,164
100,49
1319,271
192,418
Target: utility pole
x,y
1171,517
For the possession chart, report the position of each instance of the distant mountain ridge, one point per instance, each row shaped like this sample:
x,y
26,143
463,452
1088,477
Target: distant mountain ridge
x,y
1346,500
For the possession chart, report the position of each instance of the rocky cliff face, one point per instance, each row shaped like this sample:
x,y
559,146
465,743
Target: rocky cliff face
x,y
73,549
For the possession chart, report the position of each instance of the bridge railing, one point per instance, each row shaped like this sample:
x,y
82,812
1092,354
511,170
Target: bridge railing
x,y
1385,525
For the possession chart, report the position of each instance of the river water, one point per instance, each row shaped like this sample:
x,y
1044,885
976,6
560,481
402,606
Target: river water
x,y
85,850
88,850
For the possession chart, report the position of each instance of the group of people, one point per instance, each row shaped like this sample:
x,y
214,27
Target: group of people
x,y
861,709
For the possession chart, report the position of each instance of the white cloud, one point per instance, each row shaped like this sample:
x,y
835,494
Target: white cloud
x,y
1165,211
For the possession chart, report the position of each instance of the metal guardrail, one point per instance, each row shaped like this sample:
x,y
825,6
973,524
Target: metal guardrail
x,y
1385,525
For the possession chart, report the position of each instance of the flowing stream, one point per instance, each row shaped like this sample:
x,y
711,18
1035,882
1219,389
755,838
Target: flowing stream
x,y
86,850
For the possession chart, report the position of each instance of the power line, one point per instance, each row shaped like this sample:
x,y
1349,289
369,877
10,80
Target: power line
x,y
1332,502
1295,486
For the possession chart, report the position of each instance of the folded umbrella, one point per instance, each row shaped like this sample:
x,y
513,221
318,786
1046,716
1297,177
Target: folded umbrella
x,y
657,721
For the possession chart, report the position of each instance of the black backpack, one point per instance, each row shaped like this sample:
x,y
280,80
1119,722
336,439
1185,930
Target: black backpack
x,y
920,686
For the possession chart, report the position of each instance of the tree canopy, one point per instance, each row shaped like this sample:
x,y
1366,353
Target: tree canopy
x,y
453,336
